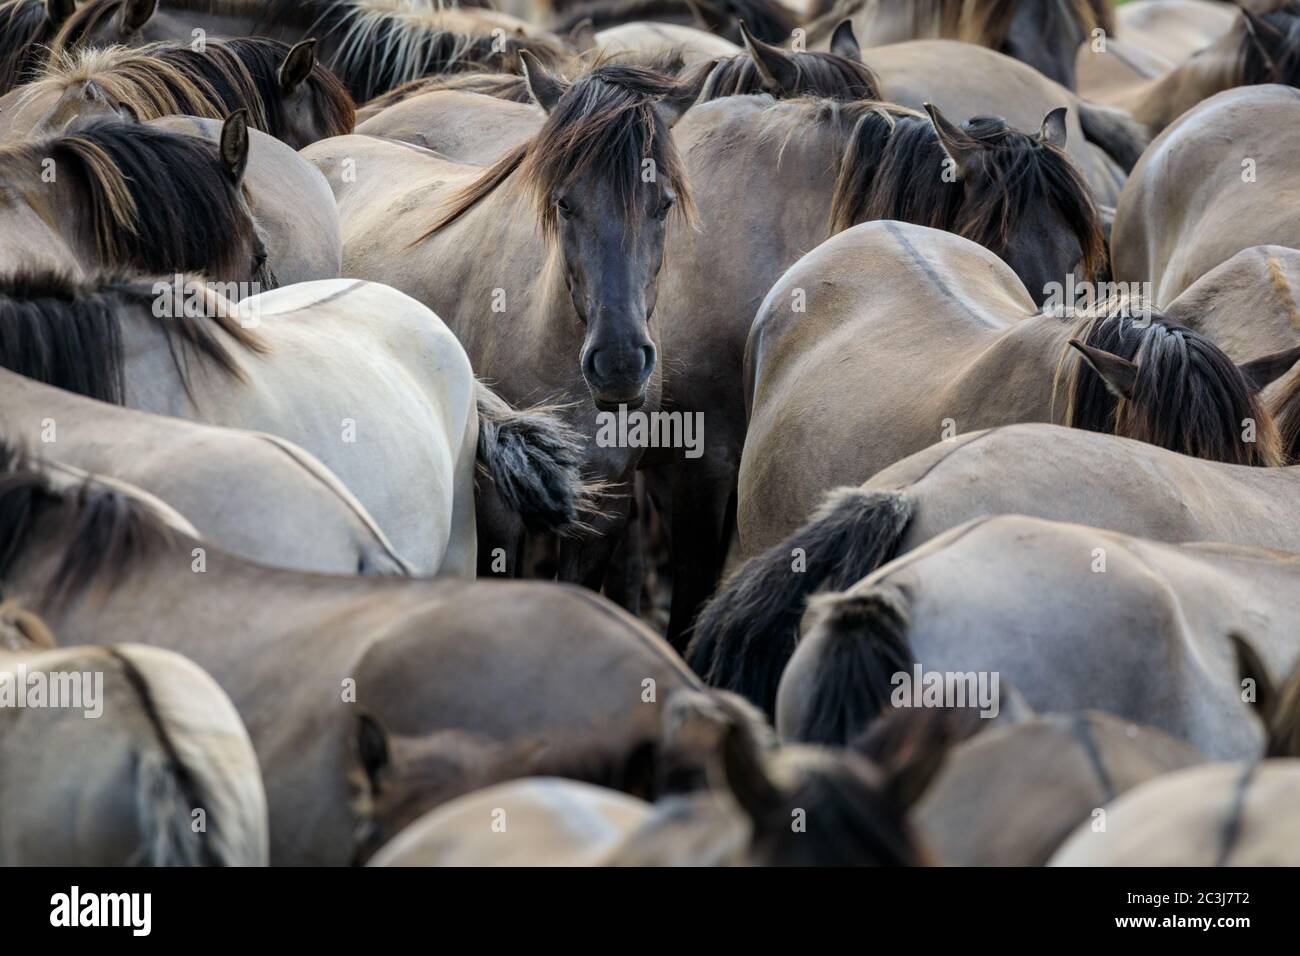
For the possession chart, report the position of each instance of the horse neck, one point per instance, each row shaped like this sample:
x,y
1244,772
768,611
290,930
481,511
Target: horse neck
x,y
56,202
1164,99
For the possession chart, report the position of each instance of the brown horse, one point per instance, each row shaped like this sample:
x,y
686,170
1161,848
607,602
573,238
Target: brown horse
x,y
1137,628
985,358
1221,814
557,245
1258,48
1046,34
1215,182
286,93
1011,791
114,773
769,20
128,196
335,677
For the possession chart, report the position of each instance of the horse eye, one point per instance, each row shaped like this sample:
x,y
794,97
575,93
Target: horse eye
x,y
564,209
667,204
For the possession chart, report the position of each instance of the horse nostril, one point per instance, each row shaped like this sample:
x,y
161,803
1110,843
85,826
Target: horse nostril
x,y
647,357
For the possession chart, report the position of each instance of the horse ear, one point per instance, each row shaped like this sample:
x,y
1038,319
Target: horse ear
x,y
1262,372
1053,130
234,144
136,13
372,748
844,43
747,778
673,106
774,65
583,35
546,90
954,141
57,11
297,66
1119,374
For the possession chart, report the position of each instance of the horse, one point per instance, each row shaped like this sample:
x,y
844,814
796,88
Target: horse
x,y
1222,814
743,637
656,38
276,488
292,206
1244,812
856,815
581,231
769,20
1137,628
1045,34
1011,794
162,742
969,80
286,93
828,365
837,74
126,196
374,46
335,677
26,29
312,363
1210,185
1255,49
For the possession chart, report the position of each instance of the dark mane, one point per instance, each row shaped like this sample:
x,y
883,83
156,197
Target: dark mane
x,y
887,171
1282,64
606,120
769,20
512,86
1189,397
149,199
25,31
67,332
819,74
373,48
104,533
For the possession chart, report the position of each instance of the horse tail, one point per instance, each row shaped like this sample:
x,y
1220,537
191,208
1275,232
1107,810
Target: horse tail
x,y
199,796
534,458
861,643
744,637
1119,135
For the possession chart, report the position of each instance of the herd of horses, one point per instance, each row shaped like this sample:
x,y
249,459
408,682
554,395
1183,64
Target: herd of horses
x,y
313,314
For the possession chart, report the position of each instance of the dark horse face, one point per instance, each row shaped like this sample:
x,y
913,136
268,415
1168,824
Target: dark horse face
x,y
611,178
611,266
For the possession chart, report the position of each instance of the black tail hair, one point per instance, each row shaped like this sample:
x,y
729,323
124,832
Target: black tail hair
x,y
863,643
534,458
744,637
